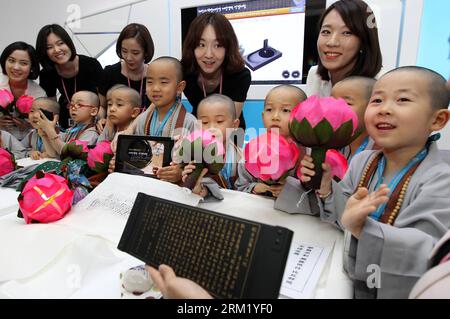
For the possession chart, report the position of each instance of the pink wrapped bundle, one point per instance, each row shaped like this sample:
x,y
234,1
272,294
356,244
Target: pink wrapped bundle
x,y
7,163
45,198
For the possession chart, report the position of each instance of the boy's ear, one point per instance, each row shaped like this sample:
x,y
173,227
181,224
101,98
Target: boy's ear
x,y
441,118
94,111
135,112
181,86
236,123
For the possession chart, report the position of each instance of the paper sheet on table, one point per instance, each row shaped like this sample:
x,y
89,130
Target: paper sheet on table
x,y
303,270
338,284
86,260
8,201
26,249
104,212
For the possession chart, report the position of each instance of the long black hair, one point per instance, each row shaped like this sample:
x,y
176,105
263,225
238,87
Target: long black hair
x,y
22,46
41,44
359,18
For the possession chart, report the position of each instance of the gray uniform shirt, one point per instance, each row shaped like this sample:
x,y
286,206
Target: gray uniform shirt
x,y
396,254
90,135
189,124
30,142
246,181
13,145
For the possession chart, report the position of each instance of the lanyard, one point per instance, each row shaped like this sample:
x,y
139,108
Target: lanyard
x,y
363,146
140,86
226,171
73,131
65,90
203,85
398,177
158,131
39,143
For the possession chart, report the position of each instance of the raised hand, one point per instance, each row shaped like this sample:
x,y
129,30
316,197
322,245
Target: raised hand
x,y
45,124
198,189
360,205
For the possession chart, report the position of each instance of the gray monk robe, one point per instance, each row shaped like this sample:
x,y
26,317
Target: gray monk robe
x,y
246,182
401,251
12,144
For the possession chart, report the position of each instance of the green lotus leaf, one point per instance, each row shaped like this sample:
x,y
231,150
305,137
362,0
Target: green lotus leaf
x,y
303,133
324,132
343,136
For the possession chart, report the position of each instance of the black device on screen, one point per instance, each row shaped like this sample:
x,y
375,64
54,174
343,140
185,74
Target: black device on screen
x,y
48,114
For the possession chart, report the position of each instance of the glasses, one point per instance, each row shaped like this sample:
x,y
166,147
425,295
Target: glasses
x,y
78,105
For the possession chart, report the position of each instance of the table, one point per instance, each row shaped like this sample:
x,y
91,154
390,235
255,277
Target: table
x,y
77,257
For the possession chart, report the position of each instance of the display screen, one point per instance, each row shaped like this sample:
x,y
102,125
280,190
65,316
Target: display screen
x,y
277,38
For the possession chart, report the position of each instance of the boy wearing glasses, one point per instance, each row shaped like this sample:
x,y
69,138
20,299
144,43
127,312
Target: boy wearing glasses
x,y
84,107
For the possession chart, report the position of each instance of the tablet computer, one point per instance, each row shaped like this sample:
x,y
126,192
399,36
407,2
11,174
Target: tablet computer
x,y
142,155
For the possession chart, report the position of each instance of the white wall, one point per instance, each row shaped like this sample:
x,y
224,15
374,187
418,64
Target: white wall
x,y
410,47
32,15
411,32
162,17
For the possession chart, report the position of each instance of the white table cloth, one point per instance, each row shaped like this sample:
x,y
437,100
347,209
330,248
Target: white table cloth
x,y
77,257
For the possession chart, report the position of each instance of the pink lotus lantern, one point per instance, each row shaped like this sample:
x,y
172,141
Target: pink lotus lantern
x,y
337,162
203,148
7,163
269,157
23,105
322,124
45,198
75,149
6,102
98,158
